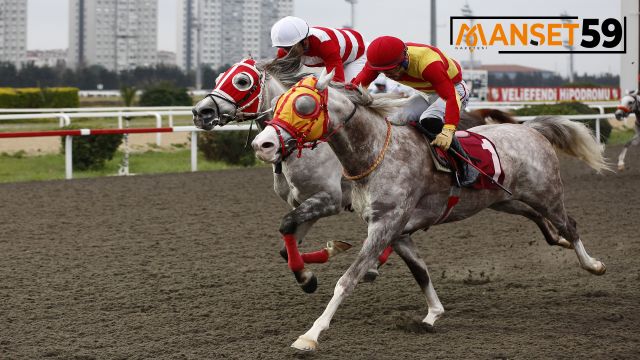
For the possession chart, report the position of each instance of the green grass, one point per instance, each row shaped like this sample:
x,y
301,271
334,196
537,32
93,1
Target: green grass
x,y
620,137
18,167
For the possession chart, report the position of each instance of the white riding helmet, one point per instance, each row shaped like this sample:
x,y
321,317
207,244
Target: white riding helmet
x,y
289,31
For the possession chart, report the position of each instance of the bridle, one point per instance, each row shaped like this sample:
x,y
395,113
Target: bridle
x,y
298,135
634,107
238,114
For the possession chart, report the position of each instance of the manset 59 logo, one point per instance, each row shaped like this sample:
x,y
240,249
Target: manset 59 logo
x,y
539,34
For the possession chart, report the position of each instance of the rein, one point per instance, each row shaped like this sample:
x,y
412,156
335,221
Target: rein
x,y
299,134
238,114
635,106
378,160
297,140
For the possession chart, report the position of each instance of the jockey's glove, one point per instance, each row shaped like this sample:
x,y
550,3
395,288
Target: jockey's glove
x,y
443,140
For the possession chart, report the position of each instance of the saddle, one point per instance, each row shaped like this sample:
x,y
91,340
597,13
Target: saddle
x,y
482,153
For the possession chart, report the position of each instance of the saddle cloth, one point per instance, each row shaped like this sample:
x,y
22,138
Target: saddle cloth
x,y
483,154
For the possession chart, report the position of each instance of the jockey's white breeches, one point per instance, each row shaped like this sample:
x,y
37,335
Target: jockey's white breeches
x,y
421,105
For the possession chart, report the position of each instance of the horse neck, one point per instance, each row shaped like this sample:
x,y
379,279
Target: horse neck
x,y
273,89
358,142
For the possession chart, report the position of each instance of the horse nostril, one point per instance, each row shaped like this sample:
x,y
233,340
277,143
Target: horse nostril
x,y
194,111
207,113
267,145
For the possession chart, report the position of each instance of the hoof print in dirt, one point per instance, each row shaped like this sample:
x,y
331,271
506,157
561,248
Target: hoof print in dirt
x,y
413,324
596,294
473,279
613,317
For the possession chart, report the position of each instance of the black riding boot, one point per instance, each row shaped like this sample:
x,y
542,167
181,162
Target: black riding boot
x,y
431,127
467,174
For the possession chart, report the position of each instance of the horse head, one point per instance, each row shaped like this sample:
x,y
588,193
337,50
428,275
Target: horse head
x,y
238,95
301,117
628,104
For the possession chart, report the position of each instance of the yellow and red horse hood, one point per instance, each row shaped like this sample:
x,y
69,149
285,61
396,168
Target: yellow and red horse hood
x,y
302,111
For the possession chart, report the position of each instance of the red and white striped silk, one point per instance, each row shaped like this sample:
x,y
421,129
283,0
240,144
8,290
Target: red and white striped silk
x,y
350,44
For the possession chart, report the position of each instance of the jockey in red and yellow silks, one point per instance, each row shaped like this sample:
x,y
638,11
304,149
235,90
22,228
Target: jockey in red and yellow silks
x,y
437,76
339,49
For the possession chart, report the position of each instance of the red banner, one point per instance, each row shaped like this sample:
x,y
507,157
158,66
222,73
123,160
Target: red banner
x,y
516,94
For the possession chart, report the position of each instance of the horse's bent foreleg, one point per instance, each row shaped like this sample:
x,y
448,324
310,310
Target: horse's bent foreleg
x,y
548,230
406,249
377,241
333,248
315,207
301,231
633,142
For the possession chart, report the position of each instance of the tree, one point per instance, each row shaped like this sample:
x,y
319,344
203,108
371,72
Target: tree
x,y
165,94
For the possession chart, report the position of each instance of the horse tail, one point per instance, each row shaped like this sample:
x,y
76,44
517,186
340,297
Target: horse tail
x,y
571,137
495,116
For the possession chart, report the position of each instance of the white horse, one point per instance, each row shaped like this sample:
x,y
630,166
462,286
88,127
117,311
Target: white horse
x,y
312,184
629,104
401,193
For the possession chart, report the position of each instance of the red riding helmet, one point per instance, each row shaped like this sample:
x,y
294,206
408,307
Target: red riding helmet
x,y
385,53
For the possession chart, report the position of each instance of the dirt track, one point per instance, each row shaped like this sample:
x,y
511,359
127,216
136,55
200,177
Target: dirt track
x,y
170,267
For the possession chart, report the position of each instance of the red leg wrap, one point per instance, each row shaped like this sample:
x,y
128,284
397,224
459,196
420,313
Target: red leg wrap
x,y
385,255
295,260
316,257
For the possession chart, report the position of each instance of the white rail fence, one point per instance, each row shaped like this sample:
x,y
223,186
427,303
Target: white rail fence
x,y
65,116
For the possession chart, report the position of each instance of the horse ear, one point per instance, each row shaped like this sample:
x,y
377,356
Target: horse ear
x,y
325,79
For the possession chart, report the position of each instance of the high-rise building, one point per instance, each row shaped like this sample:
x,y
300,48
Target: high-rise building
x,y
13,31
117,34
229,30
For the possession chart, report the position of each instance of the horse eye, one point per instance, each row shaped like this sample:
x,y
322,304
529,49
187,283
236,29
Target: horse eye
x,y
242,81
305,105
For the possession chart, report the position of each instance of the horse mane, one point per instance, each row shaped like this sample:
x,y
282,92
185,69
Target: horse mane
x,y
381,104
286,69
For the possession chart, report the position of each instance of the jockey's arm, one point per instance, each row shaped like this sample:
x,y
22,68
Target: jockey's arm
x,y
437,75
365,77
329,52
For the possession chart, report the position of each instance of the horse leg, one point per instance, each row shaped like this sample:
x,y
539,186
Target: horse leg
x,y
406,249
373,273
333,248
633,142
548,230
380,234
555,212
315,207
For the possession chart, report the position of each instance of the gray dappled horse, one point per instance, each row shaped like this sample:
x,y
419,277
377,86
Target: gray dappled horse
x,y
403,194
629,103
313,184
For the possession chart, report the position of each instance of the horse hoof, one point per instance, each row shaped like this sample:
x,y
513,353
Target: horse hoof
x,y
370,275
307,281
600,269
620,167
304,344
565,243
311,285
432,316
335,247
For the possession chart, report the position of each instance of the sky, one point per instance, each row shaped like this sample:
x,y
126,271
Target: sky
x,y
406,19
